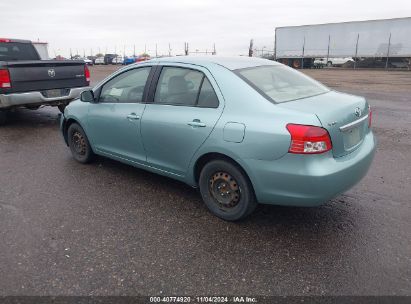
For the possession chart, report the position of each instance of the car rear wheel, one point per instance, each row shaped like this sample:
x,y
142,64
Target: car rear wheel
x,y
79,144
329,64
226,190
3,117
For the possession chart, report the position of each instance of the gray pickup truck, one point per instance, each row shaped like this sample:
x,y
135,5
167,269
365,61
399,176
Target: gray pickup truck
x,y
26,81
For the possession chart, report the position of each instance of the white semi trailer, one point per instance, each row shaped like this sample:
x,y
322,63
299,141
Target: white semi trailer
x,y
298,46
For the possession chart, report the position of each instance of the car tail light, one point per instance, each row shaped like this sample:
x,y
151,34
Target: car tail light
x,y
87,73
4,40
369,116
5,82
308,139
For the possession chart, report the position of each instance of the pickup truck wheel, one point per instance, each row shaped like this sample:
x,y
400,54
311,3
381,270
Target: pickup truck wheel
x,y
79,144
329,64
3,117
226,190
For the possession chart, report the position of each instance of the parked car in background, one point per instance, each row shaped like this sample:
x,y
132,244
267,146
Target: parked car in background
x,y
243,130
27,81
99,60
129,60
142,58
108,58
118,60
321,62
86,60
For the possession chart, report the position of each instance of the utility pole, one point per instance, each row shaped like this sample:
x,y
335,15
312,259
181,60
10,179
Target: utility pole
x,y
156,51
71,54
186,48
328,48
250,48
214,50
302,58
388,51
134,50
356,51
169,49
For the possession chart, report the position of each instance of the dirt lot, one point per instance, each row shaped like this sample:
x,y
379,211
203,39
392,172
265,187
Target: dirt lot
x,y
109,229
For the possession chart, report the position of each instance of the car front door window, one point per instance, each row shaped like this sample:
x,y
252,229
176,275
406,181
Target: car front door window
x,y
127,87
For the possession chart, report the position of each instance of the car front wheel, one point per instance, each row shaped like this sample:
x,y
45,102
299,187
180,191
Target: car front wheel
x,y
226,190
79,144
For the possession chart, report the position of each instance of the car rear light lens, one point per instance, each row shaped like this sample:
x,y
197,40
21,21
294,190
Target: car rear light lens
x,y
369,116
5,82
308,139
4,40
87,73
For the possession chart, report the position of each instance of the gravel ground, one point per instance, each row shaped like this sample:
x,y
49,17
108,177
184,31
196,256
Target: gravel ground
x,y
110,229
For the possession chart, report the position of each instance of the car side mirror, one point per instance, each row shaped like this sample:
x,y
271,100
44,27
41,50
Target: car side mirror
x,y
87,96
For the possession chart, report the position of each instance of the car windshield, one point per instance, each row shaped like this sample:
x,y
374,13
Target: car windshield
x,y
11,51
281,83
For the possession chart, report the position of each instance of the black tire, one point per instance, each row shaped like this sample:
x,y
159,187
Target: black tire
x,y
3,117
79,144
234,204
329,64
296,63
62,107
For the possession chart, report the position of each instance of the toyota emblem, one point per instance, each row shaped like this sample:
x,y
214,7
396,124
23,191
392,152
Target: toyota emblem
x,y
357,112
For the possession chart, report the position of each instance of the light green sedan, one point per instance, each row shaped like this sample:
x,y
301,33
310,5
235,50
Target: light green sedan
x,y
243,130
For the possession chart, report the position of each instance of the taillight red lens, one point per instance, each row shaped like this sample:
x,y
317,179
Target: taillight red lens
x,y
308,139
4,40
87,73
369,117
5,82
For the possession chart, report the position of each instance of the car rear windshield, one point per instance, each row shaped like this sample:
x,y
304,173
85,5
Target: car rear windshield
x,y
11,51
280,83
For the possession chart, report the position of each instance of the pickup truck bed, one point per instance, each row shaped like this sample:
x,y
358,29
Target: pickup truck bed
x,y
27,81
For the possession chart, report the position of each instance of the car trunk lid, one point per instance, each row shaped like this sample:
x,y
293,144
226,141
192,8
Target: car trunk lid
x,y
343,115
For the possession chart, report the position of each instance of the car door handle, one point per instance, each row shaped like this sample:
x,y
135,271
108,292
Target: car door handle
x,y
196,123
133,116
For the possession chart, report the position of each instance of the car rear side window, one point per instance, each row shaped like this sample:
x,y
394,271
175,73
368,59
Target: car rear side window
x,y
128,87
207,97
13,51
184,87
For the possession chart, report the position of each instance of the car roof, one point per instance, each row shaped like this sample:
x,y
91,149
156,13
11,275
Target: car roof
x,y
231,63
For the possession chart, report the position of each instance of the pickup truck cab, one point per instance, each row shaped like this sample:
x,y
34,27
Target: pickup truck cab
x,y
27,81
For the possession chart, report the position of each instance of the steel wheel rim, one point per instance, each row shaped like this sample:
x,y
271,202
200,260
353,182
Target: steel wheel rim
x,y
79,143
225,190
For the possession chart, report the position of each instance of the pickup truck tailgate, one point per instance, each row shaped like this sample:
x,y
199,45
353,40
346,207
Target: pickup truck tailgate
x,y
45,75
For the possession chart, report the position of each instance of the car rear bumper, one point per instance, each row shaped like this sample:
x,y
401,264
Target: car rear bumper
x,y
309,180
36,98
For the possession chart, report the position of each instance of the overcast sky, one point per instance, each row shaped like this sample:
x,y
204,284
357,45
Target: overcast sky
x,y
109,25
